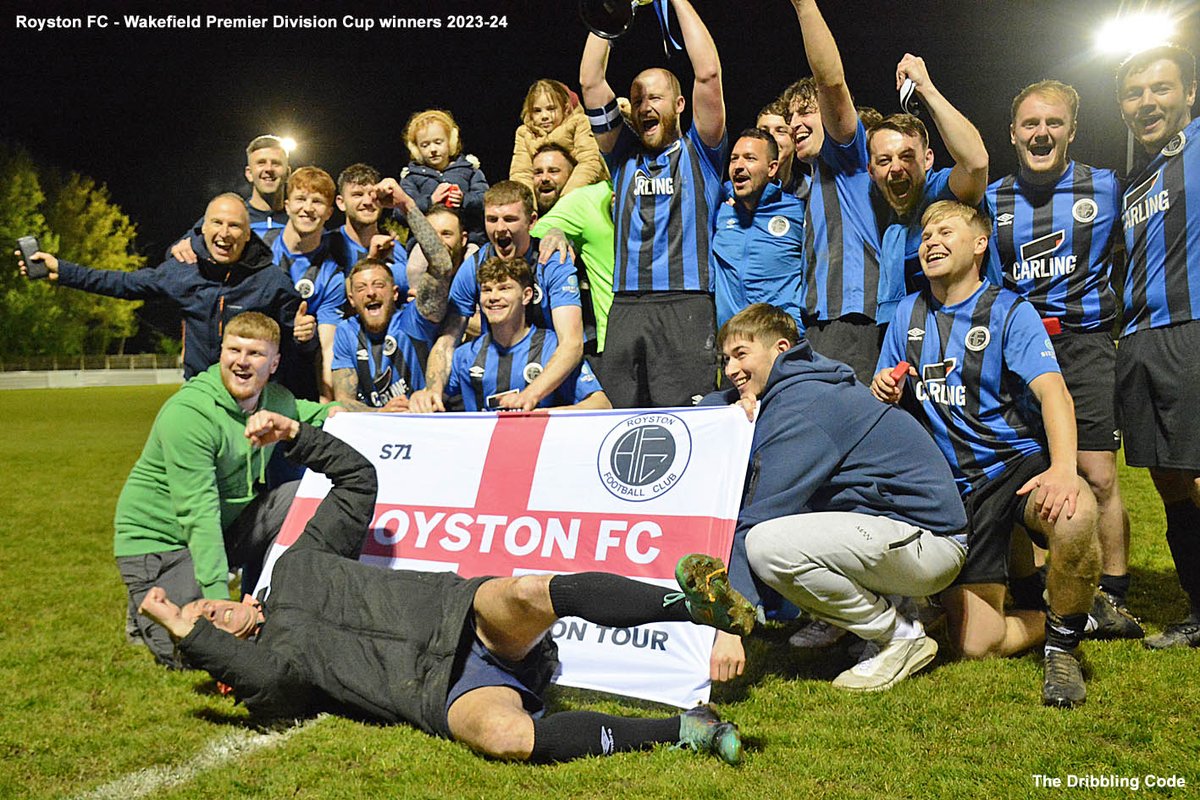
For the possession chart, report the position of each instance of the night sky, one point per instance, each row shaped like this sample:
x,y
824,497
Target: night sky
x,y
162,116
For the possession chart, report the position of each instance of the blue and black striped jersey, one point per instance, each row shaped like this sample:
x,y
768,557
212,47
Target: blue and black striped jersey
x,y
665,209
347,252
390,364
1161,216
1053,244
975,361
315,275
483,370
555,284
841,239
263,221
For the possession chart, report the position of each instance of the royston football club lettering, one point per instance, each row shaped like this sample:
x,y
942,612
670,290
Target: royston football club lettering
x,y
1037,261
932,386
1140,205
916,334
978,338
531,371
643,184
1085,210
644,456
389,345
305,288
778,226
1175,146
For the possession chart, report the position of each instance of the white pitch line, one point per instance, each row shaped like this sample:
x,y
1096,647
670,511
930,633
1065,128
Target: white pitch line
x,y
217,752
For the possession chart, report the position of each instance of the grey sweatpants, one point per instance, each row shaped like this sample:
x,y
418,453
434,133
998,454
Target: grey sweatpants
x,y
839,565
247,541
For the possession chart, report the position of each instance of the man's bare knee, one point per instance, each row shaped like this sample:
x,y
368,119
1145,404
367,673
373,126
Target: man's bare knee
x,y
532,593
504,738
1099,469
491,721
1075,541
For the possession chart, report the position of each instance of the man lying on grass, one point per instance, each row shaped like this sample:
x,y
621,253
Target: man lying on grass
x,y
466,659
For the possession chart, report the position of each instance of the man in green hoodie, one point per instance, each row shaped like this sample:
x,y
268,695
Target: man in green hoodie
x,y
195,499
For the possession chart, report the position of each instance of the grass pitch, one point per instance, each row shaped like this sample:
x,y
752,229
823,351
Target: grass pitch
x,y
83,714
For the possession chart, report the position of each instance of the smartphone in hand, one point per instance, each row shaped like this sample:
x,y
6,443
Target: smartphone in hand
x,y
35,268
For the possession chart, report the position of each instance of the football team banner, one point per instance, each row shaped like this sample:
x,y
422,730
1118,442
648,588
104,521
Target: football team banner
x,y
627,492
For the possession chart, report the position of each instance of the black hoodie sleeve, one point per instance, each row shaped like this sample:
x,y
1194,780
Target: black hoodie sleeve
x,y
340,522
271,687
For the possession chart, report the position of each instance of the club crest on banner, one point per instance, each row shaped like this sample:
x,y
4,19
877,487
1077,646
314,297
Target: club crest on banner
x,y
644,457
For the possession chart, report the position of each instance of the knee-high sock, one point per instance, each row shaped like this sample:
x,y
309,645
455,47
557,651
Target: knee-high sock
x,y
612,600
1183,537
574,734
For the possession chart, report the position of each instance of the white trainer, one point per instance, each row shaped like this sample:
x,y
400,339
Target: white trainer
x,y
895,662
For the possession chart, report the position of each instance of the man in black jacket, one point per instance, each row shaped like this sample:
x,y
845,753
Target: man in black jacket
x,y
466,659
234,273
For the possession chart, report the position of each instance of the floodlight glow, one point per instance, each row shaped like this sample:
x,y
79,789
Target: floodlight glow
x,y
1133,33
289,144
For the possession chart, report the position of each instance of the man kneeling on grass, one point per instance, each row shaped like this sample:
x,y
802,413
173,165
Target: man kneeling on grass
x,y
985,382
469,661
847,505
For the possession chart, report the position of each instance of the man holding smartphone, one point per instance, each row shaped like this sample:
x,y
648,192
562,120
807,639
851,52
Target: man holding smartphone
x,y
234,274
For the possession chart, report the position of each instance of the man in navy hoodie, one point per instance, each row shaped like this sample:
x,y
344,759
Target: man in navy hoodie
x,y
846,500
234,273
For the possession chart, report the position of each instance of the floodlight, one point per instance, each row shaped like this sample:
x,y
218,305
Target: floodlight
x,y
1132,33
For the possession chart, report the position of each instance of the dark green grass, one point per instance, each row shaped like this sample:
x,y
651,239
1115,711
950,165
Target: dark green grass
x,y
79,708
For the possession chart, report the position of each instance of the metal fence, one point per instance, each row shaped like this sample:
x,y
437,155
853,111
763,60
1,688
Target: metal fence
x,y
135,361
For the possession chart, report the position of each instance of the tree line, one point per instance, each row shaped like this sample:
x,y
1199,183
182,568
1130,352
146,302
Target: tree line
x,y
73,217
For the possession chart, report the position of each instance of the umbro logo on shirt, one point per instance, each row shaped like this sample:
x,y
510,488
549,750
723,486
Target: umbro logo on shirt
x,y
916,334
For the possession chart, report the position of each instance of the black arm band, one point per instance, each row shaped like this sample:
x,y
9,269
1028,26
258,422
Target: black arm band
x,y
605,119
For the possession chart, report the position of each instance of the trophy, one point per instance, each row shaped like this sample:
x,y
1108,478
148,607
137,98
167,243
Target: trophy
x,y
609,19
